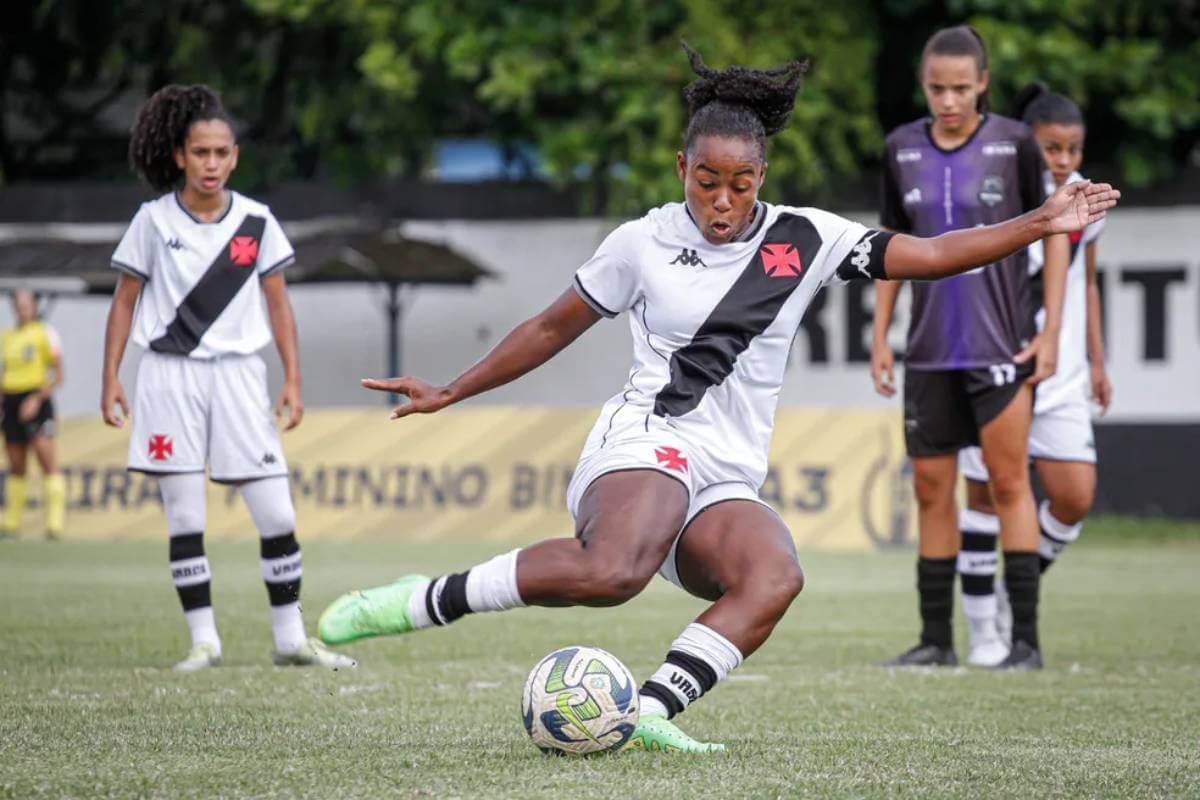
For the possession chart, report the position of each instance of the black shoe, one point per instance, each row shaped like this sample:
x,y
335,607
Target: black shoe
x,y
1022,658
925,655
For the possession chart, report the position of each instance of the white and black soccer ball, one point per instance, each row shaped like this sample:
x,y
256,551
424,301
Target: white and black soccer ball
x,y
579,700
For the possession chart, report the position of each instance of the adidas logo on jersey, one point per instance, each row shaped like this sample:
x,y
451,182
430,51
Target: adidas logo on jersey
x,y
689,258
175,244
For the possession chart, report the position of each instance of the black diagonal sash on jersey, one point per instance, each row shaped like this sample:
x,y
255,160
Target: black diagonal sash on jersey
x,y
746,310
216,288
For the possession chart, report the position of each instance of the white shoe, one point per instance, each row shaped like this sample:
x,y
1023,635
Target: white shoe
x,y
1004,620
201,656
987,653
314,654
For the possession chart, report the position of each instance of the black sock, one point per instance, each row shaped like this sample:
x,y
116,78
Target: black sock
x,y
446,598
1022,574
935,586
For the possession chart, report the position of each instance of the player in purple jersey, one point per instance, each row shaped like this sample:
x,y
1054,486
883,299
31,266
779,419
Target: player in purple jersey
x,y
973,348
658,487
1061,443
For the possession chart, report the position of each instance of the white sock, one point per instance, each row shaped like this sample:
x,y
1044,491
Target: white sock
x,y
203,627
977,564
697,661
491,586
1055,535
287,623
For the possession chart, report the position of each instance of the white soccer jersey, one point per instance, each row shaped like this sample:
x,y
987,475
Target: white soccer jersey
x,y
202,297
712,324
1070,383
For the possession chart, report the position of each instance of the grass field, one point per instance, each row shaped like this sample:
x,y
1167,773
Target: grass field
x,y
88,707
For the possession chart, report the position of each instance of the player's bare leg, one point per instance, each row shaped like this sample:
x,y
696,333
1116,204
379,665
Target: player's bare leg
x,y
1070,490
1004,441
740,555
934,480
626,524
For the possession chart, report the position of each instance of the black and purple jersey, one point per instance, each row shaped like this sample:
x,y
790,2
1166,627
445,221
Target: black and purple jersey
x,y
985,316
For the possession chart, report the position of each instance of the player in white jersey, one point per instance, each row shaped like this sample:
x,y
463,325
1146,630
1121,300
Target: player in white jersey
x,y
197,264
715,288
1061,443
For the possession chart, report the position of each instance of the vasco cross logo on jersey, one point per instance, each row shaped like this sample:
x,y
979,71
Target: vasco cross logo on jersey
x,y
781,261
161,447
689,258
243,250
671,458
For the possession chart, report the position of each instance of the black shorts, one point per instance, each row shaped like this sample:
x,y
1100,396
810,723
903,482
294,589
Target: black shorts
x,y
944,409
18,432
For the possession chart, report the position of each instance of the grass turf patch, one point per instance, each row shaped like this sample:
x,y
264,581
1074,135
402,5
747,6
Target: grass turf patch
x,y
88,706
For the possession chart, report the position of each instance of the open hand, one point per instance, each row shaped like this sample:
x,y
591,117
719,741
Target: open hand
x,y
1076,205
423,398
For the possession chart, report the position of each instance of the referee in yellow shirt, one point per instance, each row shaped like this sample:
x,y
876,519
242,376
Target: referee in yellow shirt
x,y
32,370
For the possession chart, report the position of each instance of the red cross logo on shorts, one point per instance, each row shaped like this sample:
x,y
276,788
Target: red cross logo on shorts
x,y
161,447
781,261
243,250
671,458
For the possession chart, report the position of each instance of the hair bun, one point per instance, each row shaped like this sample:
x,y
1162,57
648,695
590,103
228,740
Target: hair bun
x,y
769,93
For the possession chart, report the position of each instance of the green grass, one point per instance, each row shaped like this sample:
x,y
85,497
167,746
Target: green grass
x,y
88,708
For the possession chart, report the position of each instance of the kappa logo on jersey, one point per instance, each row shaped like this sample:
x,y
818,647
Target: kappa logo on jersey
x,y
243,250
175,244
671,458
862,254
781,261
689,258
268,459
161,447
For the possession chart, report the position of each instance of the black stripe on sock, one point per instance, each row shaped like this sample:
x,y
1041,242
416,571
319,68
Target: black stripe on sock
x,y
1048,535
282,594
452,603
279,546
935,587
430,605
185,545
704,674
198,595
973,542
978,585
663,695
1022,575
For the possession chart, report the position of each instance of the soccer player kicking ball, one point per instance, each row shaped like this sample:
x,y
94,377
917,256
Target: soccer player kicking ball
x,y
202,258
668,480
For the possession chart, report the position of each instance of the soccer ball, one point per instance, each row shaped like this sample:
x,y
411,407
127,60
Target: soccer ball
x,y
579,700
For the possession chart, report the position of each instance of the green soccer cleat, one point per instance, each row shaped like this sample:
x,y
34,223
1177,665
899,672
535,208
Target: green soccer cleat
x,y
201,656
657,734
371,612
314,654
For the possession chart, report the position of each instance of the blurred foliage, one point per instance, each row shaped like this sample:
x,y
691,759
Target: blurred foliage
x,y
355,90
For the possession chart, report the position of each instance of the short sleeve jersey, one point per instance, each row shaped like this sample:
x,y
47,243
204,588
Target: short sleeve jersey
x,y
985,316
712,324
29,351
1069,383
202,294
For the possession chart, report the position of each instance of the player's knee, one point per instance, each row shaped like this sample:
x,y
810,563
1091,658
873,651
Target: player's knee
x,y
775,584
932,491
185,518
1009,488
789,582
614,584
1070,508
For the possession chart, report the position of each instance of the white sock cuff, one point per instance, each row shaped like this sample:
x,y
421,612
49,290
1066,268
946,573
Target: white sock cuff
x,y
709,646
1060,531
972,563
492,586
978,521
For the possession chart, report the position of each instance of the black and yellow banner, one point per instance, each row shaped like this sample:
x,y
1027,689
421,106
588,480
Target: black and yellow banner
x,y
839,478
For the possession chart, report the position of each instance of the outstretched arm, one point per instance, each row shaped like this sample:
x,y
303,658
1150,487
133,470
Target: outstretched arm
x,y
526,347
1069,209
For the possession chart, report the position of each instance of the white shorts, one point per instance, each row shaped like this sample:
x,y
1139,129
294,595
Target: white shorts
x,y
655,446
189,413
1062,433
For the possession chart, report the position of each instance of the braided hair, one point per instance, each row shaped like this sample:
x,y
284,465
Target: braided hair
x,y
961,40
162,127
1036,105
748,103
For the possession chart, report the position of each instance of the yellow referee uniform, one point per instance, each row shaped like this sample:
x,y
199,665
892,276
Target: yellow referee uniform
x,y
27,354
